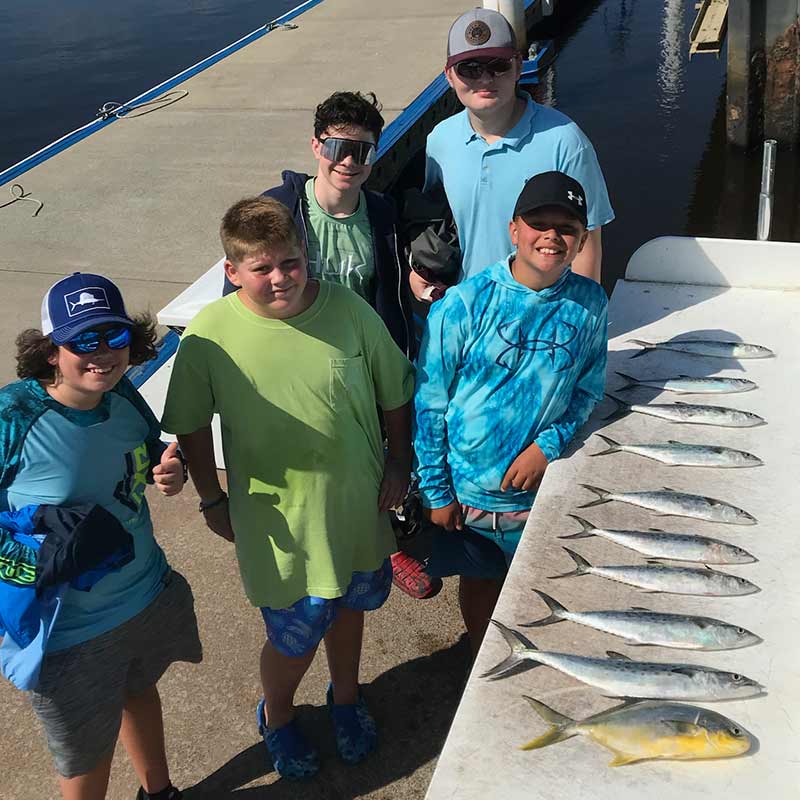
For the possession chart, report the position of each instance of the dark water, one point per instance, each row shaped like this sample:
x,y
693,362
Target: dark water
x,y
623,73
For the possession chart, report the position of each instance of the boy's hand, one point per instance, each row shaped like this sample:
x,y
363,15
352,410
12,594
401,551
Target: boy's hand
x,y
218,519
168,474
448,517
526,471
394,485
424,290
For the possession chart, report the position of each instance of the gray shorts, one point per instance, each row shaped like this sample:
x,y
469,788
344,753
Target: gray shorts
x,y
82,690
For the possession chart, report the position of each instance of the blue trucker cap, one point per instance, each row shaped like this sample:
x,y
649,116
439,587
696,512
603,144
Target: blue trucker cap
x,y
79,302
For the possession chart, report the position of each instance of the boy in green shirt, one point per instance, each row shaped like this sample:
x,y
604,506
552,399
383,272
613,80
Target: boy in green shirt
x,y
295,368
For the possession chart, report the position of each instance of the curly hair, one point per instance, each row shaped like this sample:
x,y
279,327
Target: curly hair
x,y
346,109
34,348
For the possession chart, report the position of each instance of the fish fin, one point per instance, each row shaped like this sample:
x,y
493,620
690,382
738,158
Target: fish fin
x,y
682,669
631,382
519,645
619,411
652,591
613,447
619,656
556,612
682,727
673,441
679,403
602,496
656,530
582,566
640,608
587,528
646,346
657,561
669,489
559,730
622,759
635,644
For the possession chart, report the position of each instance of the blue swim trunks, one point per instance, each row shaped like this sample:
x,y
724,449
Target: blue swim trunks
x,y
296,630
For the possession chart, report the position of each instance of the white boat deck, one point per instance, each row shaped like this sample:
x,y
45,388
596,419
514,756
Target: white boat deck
x,y
481,758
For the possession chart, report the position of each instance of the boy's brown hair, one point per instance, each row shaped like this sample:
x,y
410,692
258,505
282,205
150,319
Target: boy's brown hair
x,y
255,225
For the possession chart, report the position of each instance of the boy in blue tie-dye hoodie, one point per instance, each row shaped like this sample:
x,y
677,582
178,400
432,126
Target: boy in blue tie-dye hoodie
x,y
512,363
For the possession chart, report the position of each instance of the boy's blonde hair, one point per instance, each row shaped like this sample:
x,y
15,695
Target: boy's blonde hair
x,y
256,225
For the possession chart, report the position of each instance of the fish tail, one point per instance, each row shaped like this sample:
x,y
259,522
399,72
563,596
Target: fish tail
x,y
613,447
559,730
631,381
646,346
521,648
603,496
557,612
587,529
582,566
619,411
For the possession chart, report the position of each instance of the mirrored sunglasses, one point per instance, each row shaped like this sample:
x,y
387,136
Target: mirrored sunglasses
x,y
86,342
472,70
335,148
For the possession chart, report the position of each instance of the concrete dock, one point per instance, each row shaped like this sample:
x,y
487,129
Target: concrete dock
x,y
140,201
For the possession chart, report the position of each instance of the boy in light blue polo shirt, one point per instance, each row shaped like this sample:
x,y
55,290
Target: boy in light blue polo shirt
x,y
483,155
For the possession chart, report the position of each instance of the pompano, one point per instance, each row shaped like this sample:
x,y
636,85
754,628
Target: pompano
x,y
623,677
679,454
674,546
685,384
657,577
649,730
706,347
640,626
690,413
671,503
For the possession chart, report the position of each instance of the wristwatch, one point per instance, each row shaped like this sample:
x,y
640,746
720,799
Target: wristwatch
x,y
204,506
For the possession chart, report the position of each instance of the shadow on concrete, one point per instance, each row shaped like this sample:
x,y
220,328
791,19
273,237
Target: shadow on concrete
x,y
413,704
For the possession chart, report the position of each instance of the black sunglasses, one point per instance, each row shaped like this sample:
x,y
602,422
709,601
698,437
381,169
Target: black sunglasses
x,y
472,70
87,342
335,148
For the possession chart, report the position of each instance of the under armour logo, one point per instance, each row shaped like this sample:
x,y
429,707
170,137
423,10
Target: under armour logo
x,y
576,198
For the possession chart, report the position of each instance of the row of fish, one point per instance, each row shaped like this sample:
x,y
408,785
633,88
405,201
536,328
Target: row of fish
x,y
648,725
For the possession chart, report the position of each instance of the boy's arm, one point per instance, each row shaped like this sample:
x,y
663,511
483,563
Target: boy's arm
x,y
588,392
198,448
397,470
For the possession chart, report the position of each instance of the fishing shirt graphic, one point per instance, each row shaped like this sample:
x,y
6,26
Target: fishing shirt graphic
x,y
552,338
130,490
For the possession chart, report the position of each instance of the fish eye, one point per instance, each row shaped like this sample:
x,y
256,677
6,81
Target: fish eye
x,y
740,630
736,731
735,677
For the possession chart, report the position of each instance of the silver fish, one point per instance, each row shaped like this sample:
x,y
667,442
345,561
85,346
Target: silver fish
x,y
674,546
685,384
671,503
679,454
649,730
658,578
706,347
690,413
640,626
623,677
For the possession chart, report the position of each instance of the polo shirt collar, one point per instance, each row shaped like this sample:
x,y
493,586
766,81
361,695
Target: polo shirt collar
x,y
515,135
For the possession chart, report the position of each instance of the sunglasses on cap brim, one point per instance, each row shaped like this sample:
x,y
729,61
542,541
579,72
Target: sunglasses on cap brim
x,y
334,148
87,342
472,70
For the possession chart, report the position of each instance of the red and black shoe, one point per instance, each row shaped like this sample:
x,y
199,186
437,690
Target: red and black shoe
x,y
409,576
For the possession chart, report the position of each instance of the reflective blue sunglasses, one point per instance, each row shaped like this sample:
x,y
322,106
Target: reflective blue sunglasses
x,y
87,342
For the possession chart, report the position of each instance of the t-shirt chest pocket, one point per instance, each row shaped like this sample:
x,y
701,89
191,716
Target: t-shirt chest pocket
x,y
346,376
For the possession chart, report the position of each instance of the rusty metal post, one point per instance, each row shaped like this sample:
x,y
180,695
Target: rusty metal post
x,y
745,71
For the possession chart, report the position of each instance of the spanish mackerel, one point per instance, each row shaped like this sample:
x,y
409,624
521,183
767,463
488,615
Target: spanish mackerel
x,y
679,454
640,626
706,347
690,413
685,384
622,677
658,578
671,503
674,546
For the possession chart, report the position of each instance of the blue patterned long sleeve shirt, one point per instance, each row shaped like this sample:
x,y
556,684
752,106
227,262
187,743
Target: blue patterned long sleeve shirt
x,y
502,366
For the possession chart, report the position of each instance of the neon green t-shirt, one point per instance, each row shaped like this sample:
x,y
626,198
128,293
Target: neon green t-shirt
x,y
340,248
302,442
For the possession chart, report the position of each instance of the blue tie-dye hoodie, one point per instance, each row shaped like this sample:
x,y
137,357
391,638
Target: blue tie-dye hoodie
x,y
502,366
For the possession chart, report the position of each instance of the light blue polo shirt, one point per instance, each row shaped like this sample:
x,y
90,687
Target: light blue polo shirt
x,y
482,181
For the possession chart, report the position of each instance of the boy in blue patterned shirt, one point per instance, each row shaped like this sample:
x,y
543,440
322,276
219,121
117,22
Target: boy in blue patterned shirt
x,y
512,363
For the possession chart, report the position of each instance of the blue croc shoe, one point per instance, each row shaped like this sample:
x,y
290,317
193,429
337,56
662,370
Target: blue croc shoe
x,y
354,727
291,753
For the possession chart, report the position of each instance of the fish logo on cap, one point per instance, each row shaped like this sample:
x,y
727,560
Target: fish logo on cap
x,y
477,33
85,299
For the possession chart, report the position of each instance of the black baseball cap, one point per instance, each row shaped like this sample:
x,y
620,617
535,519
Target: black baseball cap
x,y
552,189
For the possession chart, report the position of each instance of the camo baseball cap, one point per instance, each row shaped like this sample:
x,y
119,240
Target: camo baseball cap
x,y
480,33
79,302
